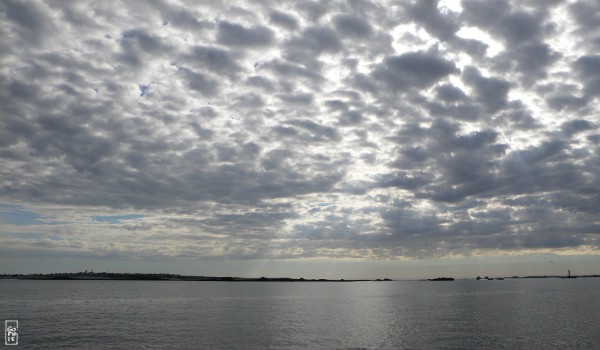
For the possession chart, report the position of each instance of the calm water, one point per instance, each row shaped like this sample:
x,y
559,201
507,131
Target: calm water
x,y
531,314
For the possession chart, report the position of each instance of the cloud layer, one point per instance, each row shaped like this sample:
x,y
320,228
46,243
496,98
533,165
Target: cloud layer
x,y
354,129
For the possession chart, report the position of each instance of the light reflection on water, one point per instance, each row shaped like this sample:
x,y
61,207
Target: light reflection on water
x,y
548,313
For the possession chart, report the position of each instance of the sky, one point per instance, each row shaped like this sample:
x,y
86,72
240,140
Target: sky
x,y
323,139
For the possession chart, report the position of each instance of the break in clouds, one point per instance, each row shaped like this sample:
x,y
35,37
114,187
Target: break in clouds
x,y
270,129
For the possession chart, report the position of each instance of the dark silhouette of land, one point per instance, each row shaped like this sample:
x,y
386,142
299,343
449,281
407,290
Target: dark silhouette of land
x,y
165,277
537,276
491,278
176,277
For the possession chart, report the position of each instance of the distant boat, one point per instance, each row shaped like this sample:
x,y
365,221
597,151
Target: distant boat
x,y
569,276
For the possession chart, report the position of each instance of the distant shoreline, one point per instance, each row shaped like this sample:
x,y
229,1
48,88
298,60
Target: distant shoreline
x,y
166,277
176,277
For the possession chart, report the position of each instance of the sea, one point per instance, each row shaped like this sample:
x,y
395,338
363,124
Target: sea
x,y
549,313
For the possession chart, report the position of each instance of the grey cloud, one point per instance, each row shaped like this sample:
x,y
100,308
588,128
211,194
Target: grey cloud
x,y
537,154
415,154
530,60
400,180
406,222
20,90
463,111
497,16
200,82
300,99
317,131
275,158
214,59
141,39
336,105
314,10
470,166
14,129
316,40
183,18
260,81
203,133
588,68
350,118
284,131
523,33
207,111
519,27
587,16
520,119
473,47
233,34
352,26
289,70
453,102
484,13
251,149
560,102
588,65
443,26
31,21
225,153
138,45
426,13
491,92
248,101
255,224
594,139
413,70
60,136
577,126
283,20
363,82
450,93
477,139
539,169
464,160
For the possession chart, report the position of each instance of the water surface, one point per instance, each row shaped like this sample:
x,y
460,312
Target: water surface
x,y
519,313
